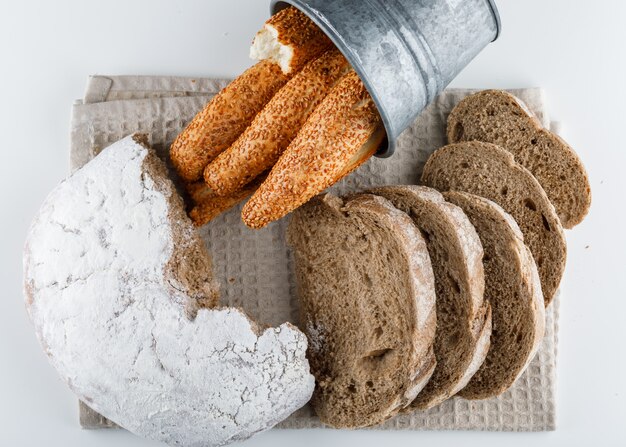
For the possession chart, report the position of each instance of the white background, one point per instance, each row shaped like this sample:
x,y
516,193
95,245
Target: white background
x,y
574,49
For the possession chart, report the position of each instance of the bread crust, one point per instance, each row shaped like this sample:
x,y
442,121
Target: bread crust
x,y
496,116
322,152
463,316
271,131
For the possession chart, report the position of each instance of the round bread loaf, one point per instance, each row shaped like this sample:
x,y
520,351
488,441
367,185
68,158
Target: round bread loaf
x,y
118,286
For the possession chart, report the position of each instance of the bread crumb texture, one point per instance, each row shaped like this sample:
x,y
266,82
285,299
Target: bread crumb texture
x,y
489,171
290,39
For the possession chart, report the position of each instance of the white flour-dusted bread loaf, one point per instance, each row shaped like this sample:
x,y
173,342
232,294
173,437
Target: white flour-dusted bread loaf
x,y
463,317
367,298
118,286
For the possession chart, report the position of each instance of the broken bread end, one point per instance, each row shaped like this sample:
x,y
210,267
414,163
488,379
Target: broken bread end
x,y
267,46
290,39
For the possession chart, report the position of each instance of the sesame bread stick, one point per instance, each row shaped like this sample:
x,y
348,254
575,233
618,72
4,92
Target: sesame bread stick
x,y
262,143
210,205
198,191
298,40
224,118
290,39
322,152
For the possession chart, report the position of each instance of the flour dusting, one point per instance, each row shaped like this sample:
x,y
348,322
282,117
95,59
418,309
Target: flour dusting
x,y
117,330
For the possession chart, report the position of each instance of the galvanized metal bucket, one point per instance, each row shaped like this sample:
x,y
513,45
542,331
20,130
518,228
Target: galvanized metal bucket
x,y
405,51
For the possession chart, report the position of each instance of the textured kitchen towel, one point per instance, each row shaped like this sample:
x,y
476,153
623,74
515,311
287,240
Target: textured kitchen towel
x,y
255,268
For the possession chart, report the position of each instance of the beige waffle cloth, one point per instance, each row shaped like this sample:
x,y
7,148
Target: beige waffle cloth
x,y
255,268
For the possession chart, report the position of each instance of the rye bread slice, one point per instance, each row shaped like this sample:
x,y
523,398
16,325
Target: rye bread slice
x,y
463,318
367,298
489,171
513,289
495,116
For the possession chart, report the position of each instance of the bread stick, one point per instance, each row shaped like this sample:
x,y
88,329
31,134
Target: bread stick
x,y
224,118
345,124
198,191
290,39
209,205
364,153
262,143
287,42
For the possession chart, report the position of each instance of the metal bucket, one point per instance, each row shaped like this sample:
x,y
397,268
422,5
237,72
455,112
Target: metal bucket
x,y
405,51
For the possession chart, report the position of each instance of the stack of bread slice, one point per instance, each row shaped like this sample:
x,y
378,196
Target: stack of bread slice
x,y
285,130
490,216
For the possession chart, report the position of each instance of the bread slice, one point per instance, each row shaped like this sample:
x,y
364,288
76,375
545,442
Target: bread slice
x,y
367,298
463,317
495,116
513,289
489,171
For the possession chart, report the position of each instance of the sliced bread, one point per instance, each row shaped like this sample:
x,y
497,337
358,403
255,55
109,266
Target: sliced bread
x,y
495,116
367,299
463,318
513,289
489,171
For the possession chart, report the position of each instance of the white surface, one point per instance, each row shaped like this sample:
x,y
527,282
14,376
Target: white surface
x,y
573,49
